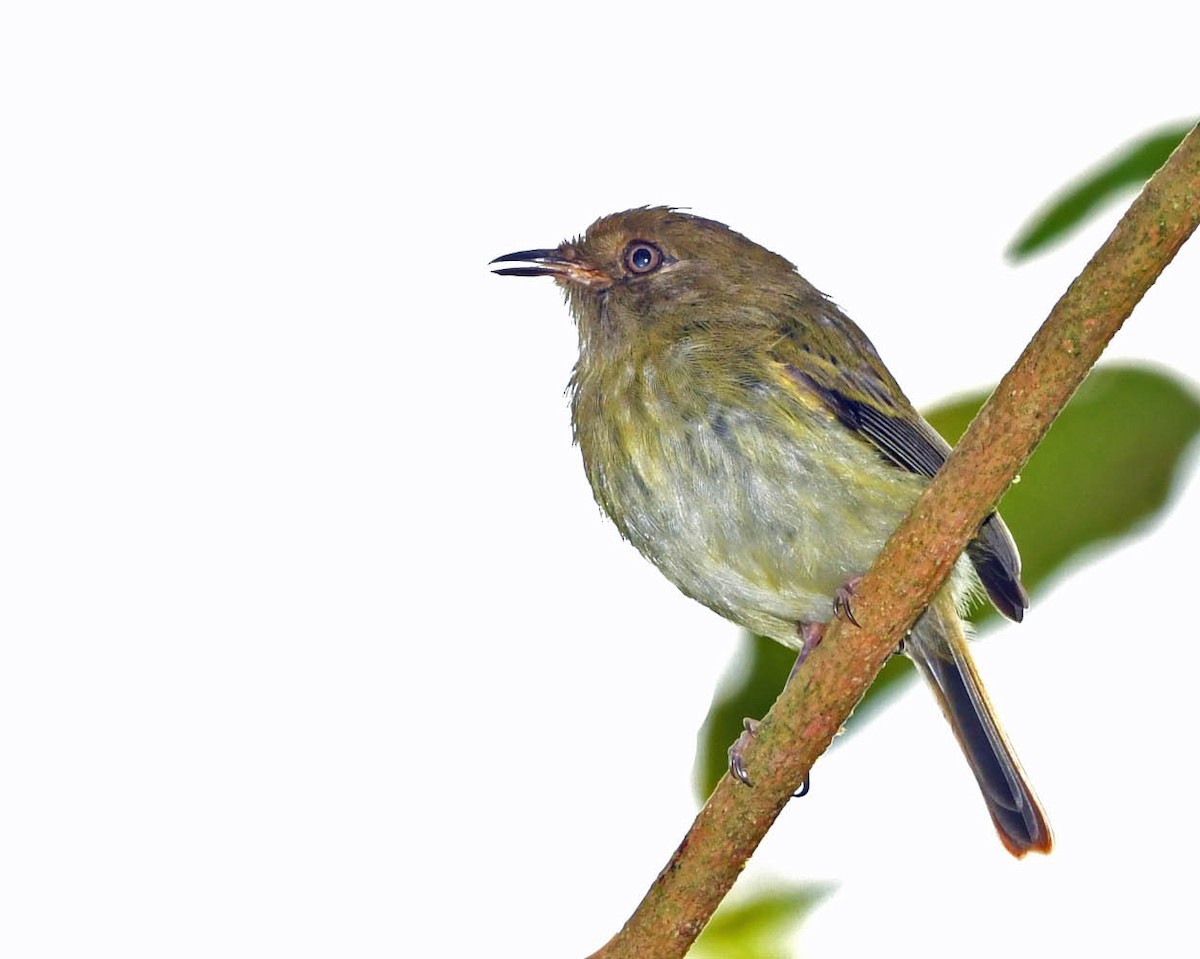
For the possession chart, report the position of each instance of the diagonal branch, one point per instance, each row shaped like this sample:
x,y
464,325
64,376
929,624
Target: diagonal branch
x,y
915,562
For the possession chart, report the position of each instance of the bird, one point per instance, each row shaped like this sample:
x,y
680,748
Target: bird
x,y
746,437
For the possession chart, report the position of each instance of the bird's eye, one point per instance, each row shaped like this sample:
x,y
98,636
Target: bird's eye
x,y
642,257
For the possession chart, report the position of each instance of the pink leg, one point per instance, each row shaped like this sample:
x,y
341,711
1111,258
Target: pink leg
x,y
810,637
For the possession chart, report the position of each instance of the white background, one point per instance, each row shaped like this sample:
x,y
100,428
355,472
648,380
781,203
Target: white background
x,y
313,641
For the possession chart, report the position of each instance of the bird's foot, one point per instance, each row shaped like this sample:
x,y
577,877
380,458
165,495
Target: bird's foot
x,y
810,637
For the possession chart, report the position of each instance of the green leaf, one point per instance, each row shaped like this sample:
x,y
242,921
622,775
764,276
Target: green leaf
x,y
1129,167
1106,467
755,927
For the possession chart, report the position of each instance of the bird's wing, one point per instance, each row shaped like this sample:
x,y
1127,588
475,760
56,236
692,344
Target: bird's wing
x,y
856,387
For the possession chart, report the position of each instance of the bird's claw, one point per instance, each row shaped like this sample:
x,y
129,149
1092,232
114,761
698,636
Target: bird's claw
x,y
737,759
841,601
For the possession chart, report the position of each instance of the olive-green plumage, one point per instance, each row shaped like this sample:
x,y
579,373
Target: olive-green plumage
x,y
745,436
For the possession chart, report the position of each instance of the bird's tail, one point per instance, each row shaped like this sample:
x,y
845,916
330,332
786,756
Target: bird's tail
x,y
938,646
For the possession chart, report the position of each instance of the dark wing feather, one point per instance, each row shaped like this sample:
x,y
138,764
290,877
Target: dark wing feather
x,y
908,443
866,399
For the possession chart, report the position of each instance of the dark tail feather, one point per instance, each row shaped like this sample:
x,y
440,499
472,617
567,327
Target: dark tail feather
x,y
939,649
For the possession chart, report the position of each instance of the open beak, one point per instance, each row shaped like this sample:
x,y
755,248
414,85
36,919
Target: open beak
x,y
558,263
549,263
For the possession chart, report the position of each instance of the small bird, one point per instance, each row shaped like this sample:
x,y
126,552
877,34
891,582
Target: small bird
x,y
742,432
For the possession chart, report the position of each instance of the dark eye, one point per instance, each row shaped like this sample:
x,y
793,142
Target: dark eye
x,y
642,257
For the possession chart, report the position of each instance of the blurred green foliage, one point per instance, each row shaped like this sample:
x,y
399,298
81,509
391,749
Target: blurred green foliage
x,y
757,927
1106,466
1129,167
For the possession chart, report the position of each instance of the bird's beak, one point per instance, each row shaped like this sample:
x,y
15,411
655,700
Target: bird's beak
x,y
549,263
558,263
